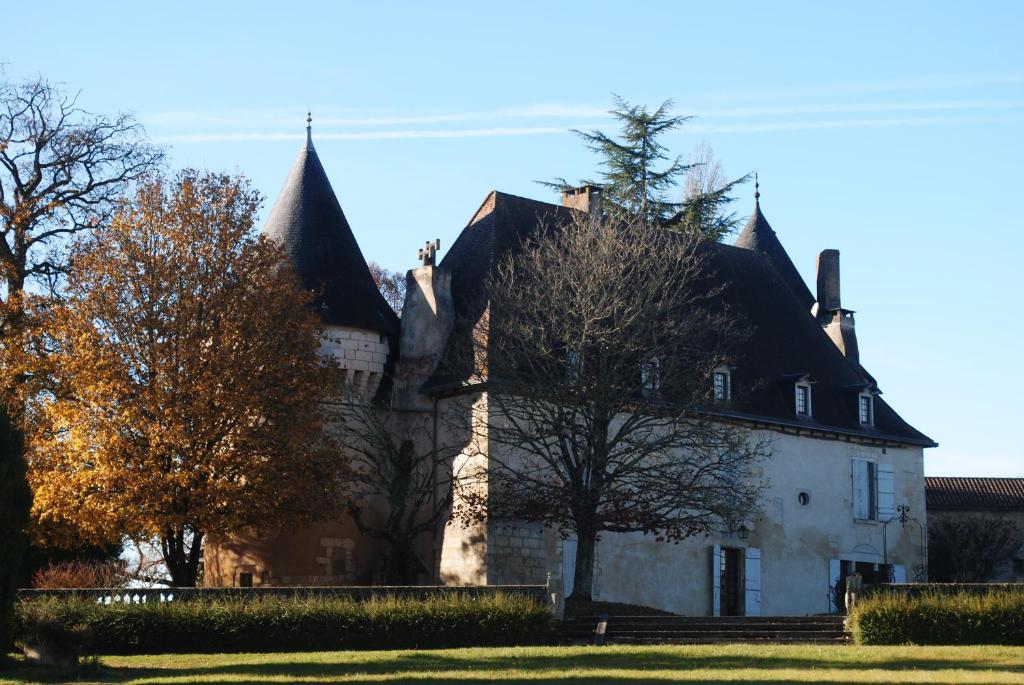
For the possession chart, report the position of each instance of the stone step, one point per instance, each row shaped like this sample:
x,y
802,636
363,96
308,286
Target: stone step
x,y
640,640
705,625
796,620
712,633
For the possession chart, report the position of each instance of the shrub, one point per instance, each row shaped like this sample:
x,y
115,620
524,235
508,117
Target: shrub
x,y
933,618
272,624
81,574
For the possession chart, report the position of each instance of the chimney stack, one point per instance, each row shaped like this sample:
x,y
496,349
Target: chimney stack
x,y
585,199
828,280
837,322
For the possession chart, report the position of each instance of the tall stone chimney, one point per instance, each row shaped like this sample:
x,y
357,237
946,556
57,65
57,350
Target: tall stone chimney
x,y
428,316
585,198
837,322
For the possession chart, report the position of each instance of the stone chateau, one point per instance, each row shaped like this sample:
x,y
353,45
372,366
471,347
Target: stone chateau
x,y
844,463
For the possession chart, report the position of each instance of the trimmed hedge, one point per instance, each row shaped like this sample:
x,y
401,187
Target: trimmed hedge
x,y
934,618
273,624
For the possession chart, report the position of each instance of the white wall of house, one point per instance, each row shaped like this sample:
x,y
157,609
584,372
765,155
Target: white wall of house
x,y
792,551
796,542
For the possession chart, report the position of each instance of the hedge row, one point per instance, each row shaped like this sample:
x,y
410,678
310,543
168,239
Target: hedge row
x,y
962,618
289,624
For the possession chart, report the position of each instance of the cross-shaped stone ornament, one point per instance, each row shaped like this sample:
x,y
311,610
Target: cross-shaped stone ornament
x,y
428,253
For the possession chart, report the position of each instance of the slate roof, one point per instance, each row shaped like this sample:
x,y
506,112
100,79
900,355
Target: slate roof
x,y
786,341
974,493
308,222
758,235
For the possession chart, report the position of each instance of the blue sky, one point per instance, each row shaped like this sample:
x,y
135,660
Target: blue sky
x,y
891,131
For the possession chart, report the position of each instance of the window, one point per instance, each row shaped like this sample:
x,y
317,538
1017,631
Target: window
x,y
867,410
650,377
723,385
804,498
803,399
865,490
573,364
244,580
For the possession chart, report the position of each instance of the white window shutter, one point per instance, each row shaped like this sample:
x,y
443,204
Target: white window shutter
x,y
834,573
752,582
886,492
568,566
716,580
860,489
899,574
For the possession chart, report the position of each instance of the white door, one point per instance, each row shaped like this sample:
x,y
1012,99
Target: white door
x,y
568,566
834,574
752,582
716,580
899,574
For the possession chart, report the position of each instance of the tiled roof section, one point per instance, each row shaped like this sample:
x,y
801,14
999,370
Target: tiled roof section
x,y
974,493
758,235
785,339
308,222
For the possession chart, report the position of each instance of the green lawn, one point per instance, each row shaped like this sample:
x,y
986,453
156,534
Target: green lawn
x,y
565,665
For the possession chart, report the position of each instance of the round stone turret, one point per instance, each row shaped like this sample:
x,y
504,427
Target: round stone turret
x,y
307,221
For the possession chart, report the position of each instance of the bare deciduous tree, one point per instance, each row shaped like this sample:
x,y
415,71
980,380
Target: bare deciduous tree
x,y
61,172
598,353
391,285
970,549
399,481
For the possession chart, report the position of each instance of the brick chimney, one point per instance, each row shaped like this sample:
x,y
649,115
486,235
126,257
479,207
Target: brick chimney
x,y
585,198
837,322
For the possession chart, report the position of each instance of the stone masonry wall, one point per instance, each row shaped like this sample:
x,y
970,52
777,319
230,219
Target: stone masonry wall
x,y
362,354
517,553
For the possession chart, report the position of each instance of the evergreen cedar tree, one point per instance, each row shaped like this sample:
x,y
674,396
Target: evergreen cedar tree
x,y
186,379
632,184
598,348
61,170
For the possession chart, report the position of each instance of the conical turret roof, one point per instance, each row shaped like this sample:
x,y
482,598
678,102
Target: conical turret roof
x,y
758,235
308,223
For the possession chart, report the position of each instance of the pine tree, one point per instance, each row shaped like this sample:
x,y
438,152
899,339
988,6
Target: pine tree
x,y
15,501
633,184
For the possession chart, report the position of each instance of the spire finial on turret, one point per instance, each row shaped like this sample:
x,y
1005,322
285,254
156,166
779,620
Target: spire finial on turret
x,y
757,189
309,126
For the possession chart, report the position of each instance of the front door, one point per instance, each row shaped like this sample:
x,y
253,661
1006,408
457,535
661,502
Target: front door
x,y
732,585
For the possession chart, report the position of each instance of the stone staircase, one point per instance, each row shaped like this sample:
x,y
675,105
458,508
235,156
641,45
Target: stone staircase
x,y
706,629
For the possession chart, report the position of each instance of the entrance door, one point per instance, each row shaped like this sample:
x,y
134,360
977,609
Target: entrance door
x,y
732,585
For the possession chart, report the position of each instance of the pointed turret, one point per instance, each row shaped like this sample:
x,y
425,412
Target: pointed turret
x,y
308,223
758,235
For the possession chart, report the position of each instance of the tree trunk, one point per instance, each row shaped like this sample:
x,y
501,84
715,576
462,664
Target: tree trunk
x,y
182,560
401,566
583,578
15,502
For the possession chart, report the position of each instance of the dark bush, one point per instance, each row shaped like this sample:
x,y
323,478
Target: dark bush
x,y
932,618
273,624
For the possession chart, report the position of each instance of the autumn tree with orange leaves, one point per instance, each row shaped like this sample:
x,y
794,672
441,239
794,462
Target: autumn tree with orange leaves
x,y
187,384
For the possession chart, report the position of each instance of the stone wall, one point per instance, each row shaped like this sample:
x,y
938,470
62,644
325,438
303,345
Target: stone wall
x,y
362,354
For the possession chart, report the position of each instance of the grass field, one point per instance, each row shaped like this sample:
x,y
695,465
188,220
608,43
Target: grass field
x,y
566,665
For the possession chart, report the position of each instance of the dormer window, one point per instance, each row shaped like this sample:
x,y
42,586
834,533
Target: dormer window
x,y
803,399
650,377
722,385
866,404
